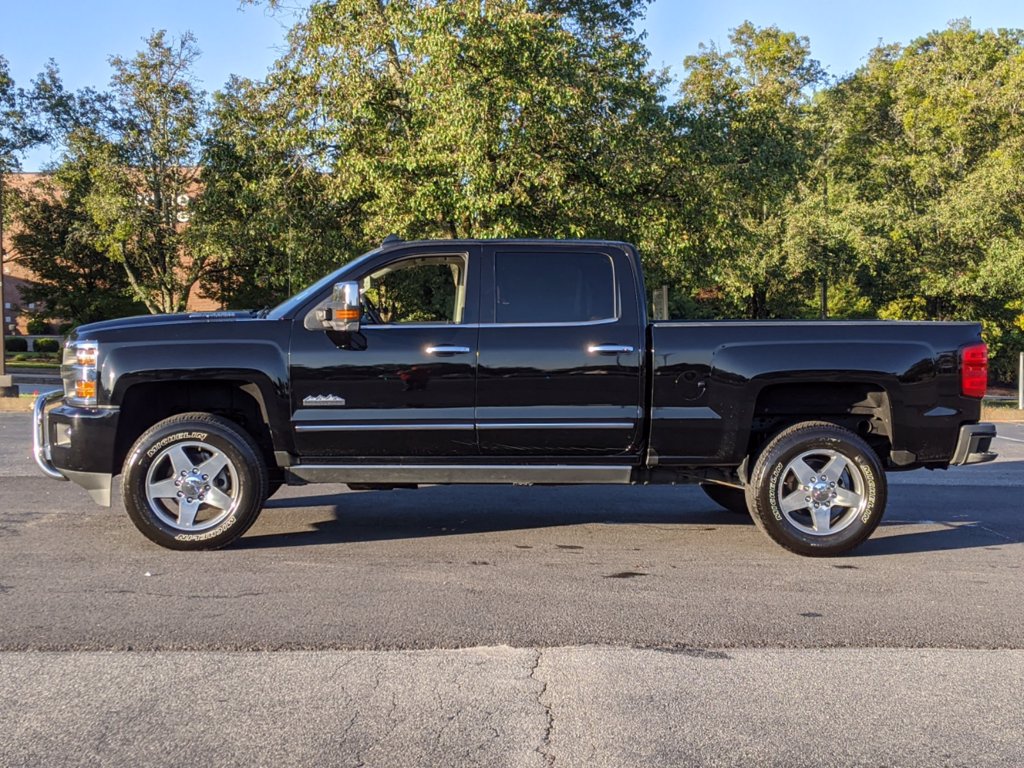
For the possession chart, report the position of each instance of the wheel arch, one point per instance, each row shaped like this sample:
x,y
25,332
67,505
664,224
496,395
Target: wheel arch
x,y
865,408
241,398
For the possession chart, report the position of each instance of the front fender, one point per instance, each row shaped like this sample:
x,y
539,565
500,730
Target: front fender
x,y
261,364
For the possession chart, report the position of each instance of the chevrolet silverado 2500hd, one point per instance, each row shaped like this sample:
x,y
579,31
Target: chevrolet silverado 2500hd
x,y
517,362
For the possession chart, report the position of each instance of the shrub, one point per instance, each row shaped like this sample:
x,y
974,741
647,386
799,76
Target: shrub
x,y
47,345
16,344
38,327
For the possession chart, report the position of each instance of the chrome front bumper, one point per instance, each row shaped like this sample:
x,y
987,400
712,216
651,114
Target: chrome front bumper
x,y
40,434
974,443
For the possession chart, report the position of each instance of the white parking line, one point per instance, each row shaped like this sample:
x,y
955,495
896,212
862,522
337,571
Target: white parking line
x,y
1011,439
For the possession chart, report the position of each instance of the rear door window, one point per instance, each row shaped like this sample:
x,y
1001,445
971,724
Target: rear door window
x,y
555,287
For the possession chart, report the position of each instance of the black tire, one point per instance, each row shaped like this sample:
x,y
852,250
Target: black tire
x,y
168,461
731,499
817,489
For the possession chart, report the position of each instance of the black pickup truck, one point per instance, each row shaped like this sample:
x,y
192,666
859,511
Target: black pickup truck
x,y
515,362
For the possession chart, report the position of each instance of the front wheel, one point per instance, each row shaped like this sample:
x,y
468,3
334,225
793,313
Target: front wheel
x,y
194,481
817,489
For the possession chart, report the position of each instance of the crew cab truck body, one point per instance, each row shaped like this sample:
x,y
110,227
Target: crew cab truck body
x,y
526,362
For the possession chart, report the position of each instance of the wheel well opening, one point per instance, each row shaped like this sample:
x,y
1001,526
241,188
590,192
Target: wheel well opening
x,y
862,408
143,405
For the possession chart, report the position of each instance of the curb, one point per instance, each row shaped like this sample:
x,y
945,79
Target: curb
x,y
16,404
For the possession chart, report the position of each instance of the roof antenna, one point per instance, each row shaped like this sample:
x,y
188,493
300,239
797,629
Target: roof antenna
x,y
392,238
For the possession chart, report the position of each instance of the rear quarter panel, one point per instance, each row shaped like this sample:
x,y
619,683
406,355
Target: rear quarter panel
x,y
707,376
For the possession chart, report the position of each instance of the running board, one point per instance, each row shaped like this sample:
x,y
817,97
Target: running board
x,y
499,474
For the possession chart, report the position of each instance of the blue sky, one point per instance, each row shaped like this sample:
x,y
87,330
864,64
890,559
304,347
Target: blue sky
x,y
81,35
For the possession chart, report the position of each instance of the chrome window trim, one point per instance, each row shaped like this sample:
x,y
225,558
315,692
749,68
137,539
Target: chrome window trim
x,y
567,324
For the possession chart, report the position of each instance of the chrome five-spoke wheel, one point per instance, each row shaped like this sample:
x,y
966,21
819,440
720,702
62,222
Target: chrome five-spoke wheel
x,y
194,481
192,486
821,492
817,489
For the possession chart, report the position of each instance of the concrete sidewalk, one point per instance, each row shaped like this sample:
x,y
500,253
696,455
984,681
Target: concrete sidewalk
x,y
499,706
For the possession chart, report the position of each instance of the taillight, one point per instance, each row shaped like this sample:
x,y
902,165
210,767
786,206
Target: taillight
x,y
974,370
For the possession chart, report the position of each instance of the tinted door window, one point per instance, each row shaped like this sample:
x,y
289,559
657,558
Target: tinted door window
x,y
553,287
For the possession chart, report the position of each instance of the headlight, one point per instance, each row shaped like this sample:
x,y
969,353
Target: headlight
x,y
79,372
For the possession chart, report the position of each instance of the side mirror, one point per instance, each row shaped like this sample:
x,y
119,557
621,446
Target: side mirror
x,y
343,311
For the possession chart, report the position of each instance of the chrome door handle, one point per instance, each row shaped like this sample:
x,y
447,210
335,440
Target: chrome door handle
x,y
446,349
609,349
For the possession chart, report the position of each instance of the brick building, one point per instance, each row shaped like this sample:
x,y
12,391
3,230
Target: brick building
x,y
16,311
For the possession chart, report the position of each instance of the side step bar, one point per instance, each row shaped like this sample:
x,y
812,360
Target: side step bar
x,y
499,474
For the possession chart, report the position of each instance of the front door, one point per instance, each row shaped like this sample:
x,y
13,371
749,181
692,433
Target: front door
x,y
405,384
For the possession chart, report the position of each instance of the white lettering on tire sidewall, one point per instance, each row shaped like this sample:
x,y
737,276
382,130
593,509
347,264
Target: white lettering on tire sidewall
x,y
162,443
871,489
183,436
207,535
773,486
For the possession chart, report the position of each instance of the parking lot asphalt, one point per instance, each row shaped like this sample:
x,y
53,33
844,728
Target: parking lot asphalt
x,y
618,621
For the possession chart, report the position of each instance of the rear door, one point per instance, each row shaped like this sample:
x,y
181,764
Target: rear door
x,y
561,350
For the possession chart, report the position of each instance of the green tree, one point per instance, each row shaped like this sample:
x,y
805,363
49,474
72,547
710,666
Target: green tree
x,y
265,219
140,143
56,241
463,119
928,172
18,128
743,114
17,133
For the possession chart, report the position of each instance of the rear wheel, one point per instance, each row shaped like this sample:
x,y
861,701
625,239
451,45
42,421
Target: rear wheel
x,y
194,481
726,496
817,489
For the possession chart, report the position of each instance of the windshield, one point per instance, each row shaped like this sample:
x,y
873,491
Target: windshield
x,y
289,306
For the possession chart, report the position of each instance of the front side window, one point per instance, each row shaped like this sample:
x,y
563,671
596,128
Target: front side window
x,y
428,289
556,287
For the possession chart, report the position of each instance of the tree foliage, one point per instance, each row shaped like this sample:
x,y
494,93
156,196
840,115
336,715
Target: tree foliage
x,y
139,143
743,113
265,219
462,118
927,167
899,188
56,241
18,129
